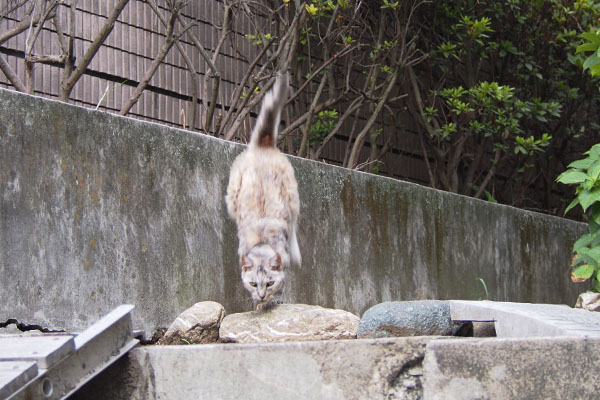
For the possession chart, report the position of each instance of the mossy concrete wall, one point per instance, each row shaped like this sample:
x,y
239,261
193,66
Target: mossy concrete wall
x,y
98,210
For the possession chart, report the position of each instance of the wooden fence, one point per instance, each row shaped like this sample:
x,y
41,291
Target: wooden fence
x,y
129,50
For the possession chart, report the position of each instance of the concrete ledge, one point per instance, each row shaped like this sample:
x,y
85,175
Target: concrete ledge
x,y
401,368
328,370
528,320
534,368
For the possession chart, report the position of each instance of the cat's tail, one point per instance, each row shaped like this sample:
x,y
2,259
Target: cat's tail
x,y
265,130
295,257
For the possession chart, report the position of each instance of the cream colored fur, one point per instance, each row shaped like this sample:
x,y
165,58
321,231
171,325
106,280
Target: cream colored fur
x,y
262,194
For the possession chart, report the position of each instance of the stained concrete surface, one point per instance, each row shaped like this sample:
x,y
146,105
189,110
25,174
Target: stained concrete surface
x,y
414,368
328,370
98,210
532,369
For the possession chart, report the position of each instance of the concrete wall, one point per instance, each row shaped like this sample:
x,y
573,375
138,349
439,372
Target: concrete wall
x,y
98,210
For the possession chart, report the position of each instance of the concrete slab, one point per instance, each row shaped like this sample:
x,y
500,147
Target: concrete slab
x,y
528,320
534,368
14,374
395,368
44,349
334,369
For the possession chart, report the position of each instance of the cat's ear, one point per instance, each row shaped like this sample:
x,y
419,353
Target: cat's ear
x,y
246,264
276,264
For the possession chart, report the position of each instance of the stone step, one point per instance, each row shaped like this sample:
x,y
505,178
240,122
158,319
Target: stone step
x,y
390,368
528,320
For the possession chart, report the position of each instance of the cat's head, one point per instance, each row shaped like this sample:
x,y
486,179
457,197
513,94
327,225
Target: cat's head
x,y
263,274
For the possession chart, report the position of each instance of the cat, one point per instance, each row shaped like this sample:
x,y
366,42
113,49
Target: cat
x,y
262,198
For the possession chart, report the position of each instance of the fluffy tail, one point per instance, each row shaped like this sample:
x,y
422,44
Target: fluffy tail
x,y
265,131
295,256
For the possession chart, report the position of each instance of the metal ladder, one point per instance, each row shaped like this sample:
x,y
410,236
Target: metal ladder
x,y
54,366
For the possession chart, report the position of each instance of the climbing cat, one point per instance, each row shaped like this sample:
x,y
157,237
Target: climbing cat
x,y
262,198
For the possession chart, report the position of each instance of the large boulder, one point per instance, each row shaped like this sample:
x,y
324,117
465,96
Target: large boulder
x,y
407,318
289,322
198,324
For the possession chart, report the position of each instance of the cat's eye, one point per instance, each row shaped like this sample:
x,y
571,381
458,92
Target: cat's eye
x,y
253,284
270,283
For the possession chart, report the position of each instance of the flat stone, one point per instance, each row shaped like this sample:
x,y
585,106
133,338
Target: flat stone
x,y
406,318
528,320
198,324
289,322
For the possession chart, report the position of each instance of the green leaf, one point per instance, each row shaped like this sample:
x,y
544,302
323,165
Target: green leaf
x,y
596,213
589,198
572,204
594,227
582,164
584,272
597,285
593,37
594,170
311,9
570,176
583,241
593,254
584,258
591,61
586,47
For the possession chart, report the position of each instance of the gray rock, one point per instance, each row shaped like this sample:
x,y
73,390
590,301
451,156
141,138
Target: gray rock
x,y
588,301
289,322
406,318
198,324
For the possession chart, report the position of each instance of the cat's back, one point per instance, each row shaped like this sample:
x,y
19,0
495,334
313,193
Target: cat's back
x,y
262,184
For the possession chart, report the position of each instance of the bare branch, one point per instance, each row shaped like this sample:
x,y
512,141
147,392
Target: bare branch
x,y
336,56
170,40
490,174
360,138
189,63
21,27
67,85
354,106
237,94
11,7
304,145
12,76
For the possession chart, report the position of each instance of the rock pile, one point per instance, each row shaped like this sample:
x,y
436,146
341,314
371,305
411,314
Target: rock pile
x,y
205,322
